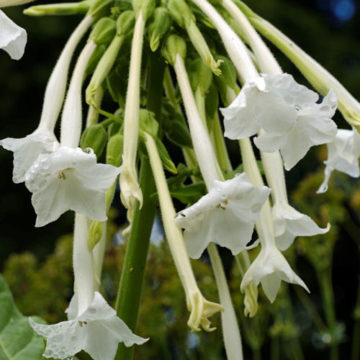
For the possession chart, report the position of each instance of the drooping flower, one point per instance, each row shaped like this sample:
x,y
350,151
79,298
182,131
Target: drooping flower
x,y
12,37
226,216
270,268
343,155
69,179
288,113
290,223
97,331
26,150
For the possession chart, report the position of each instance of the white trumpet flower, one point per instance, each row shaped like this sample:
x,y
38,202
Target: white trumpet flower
x,y
269,268
26,150
13,38
97,331
290,223
343,155
288,113
69,179
226,216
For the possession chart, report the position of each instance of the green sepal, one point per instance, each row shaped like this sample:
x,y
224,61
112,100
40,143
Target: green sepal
x,y
114,150
103,31
181,13
159,27
94,60
173,45
94,137
165,157
174,126
95,233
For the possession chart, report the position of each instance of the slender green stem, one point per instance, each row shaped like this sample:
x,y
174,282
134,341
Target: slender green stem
x,y
129,292
275,348
256,353
329,309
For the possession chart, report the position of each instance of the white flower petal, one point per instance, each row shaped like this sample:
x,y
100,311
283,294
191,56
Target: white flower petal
x,y
290,223
97,331
269,268
26,150
226,216
69,179
12,37
343,155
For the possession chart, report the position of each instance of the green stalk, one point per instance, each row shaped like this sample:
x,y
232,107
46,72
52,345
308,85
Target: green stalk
x,y
355,347
133,270
329,308
132,275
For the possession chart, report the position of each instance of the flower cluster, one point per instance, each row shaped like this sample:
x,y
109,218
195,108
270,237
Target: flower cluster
x,y
261,107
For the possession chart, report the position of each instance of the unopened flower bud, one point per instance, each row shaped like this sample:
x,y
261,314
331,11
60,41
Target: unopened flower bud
x,y
159,26
103,31
94,137
146,7
125,22
174,45
100,8
95,233
186,19
200,76
114,150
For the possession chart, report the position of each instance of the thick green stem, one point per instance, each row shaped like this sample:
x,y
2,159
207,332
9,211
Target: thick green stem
x,y
130,286
132,275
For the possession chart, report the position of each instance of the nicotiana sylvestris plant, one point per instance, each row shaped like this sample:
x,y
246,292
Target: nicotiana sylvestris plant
x,y
165,64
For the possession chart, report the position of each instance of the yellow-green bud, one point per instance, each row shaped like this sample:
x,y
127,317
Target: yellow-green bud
x,y
159,26
173,45
146,7
125,22
114,150
59,9
103,31
100,8
95,233
94,137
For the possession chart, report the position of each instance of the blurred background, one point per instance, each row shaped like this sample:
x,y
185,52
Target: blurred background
x,y
37,262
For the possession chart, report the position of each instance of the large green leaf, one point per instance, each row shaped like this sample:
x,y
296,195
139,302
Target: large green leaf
x,y
18,341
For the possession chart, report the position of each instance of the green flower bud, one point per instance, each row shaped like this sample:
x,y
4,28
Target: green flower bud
x,y
146,7
103,31
186,19
100,8
125,22
148,122
173,45
114,150
159,26
94,137
59,9
200,76
212,101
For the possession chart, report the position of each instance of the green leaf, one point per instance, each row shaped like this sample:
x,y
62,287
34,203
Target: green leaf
x,y
165,157
189,194
18,341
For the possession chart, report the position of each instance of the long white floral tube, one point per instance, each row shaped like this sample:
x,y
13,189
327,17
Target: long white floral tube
x,y
71,123
199,307
207,161
56,86
233,44
130,189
